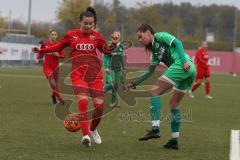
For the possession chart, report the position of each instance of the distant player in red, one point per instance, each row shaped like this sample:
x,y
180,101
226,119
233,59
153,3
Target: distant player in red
x,y
203,70
86,74
51,65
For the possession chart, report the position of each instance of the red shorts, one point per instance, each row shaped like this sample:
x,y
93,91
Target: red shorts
x,y
93,87
203,73
51,71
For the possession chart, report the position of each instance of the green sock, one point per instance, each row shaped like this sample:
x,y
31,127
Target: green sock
x,y
175,123
114,95
155,112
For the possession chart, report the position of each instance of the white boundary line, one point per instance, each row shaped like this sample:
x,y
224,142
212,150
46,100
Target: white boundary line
x,y
235,145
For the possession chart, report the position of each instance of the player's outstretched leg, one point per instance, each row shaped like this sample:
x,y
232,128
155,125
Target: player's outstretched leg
x,y
55,92
176,97
196,84
159,88
175,127
96,118
207,88
83,120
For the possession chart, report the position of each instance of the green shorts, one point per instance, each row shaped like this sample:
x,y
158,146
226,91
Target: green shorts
x,y
177,76
114,77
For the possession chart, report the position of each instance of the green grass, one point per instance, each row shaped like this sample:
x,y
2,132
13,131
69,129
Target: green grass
x,y
29,130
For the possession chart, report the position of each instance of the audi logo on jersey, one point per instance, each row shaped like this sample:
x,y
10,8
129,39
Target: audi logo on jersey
x,y
84,47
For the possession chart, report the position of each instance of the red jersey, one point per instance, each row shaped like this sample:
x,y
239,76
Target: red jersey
x,y
84,58
50,58
201,58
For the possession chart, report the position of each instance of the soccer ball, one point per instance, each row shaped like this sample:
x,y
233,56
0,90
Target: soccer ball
x,y
71,123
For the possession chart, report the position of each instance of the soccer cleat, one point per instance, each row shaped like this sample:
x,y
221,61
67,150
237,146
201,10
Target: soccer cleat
x,y
96,137
54,100
191,94
86,141
209,97
171,144
151,134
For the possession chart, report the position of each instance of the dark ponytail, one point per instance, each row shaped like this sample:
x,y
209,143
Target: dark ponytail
x,y
144,28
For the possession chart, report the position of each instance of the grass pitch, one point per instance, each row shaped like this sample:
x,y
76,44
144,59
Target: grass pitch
x,y
29,130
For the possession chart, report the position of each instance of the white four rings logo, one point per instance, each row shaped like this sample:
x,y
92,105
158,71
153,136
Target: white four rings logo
x,y
84,47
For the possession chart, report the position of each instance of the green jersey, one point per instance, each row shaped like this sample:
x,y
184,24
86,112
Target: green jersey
x,y
160,53
115,60
162,50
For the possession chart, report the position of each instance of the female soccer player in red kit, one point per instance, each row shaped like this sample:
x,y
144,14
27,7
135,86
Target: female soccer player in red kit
x,y
51,65
203,70
86,75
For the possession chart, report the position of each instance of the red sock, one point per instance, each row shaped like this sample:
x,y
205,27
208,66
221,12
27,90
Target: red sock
x,y
207,88
195,86
97,116
54,88
57,94
83,116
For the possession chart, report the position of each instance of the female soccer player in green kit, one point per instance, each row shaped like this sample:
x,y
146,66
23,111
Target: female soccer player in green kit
x,y
180,75
114,68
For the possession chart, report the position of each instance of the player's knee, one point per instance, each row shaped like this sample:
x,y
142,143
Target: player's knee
x,y
199,81
207,79
173,104
154,91
98,101
98,108
82,97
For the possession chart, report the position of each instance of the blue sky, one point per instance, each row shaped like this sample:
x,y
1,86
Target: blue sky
x,y
45,10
